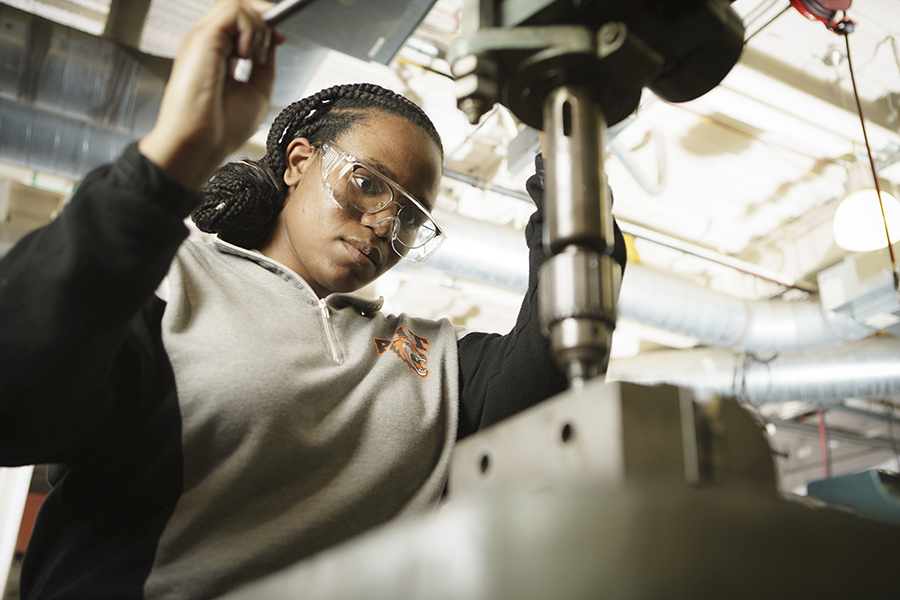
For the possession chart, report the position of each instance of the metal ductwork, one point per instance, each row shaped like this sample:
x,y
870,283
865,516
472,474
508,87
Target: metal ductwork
x,y
479,251
69,100
719,320
867,368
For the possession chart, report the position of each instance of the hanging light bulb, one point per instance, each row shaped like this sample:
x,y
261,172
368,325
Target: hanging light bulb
x,y
859,225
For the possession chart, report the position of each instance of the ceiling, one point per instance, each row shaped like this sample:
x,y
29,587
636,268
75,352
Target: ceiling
x,y
733,193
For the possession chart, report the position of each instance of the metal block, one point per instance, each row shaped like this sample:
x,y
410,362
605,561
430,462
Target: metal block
x,y
610,434
602,433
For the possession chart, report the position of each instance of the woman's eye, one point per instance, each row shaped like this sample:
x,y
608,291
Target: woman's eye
x,y
409,218
367,185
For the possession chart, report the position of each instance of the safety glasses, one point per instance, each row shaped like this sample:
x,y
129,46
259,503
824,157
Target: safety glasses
x,y
359,189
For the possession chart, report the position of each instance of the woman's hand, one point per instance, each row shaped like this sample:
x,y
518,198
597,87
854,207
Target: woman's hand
x,y
206,114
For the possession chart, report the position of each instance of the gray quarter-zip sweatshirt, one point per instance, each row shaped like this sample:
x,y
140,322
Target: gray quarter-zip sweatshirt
x,y
352,410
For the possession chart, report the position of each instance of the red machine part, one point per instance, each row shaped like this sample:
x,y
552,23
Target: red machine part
x,y
826,11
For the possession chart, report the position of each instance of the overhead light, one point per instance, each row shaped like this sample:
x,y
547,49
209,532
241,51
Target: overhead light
x,y
859,225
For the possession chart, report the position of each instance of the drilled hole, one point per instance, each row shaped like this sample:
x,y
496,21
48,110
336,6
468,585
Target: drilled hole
x,y
567,432
567,119
485,463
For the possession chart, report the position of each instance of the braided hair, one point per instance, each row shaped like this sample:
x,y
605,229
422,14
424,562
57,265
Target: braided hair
x,y
243,199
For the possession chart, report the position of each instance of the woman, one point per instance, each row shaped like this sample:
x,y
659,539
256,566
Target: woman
x,y
252,411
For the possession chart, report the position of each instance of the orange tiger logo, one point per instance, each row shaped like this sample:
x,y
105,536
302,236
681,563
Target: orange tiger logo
x,y
411,349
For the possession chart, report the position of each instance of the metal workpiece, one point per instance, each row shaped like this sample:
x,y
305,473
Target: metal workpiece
x,y
615,491
580,542
616,434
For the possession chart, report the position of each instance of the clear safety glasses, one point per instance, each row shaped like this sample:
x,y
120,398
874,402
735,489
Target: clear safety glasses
x,y
359,189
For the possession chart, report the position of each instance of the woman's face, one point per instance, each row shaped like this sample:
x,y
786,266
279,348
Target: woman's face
x,y
329,249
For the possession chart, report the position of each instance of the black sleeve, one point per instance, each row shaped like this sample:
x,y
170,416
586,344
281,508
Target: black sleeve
x,y
501,375
67,294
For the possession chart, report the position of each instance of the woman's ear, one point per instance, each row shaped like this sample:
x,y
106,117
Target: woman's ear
x,y
297,159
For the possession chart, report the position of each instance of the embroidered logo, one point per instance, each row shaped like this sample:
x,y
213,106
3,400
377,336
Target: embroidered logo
x,y
411,349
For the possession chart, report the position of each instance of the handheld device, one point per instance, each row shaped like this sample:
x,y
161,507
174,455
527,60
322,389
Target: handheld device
x,y
283,10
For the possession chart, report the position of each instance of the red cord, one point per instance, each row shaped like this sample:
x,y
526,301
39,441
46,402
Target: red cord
x,y
823,442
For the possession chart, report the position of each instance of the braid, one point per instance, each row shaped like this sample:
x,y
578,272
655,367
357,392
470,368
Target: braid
x,y
243,199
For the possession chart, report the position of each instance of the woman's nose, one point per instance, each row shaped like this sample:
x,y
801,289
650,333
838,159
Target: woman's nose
x,y
382,223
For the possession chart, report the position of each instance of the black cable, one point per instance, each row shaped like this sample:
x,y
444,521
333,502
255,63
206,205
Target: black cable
x,y
769,22
743,396
862,121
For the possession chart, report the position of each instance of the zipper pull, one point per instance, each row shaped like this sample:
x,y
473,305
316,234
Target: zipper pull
x,y
330,337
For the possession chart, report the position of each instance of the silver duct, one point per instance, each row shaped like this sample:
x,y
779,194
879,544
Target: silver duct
x,y
867,368
719,320
71,101
480,251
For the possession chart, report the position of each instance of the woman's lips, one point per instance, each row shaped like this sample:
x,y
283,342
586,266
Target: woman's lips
x,y
362,252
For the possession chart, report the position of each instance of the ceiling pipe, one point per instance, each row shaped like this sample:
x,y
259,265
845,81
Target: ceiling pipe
x,y
71,101
715,319
841,436
818,355
479,251
867,368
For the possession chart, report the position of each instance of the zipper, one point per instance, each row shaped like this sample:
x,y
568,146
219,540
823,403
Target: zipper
x,y
329,332
330,337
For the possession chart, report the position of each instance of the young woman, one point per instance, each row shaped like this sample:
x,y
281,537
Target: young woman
x,y
251,411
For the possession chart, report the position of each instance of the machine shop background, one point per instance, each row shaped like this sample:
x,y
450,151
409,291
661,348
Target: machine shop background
x,y
736,284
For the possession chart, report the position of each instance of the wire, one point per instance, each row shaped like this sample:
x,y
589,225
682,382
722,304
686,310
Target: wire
x,y
862,121
742,393
769,22
449,155
759,11
406,61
